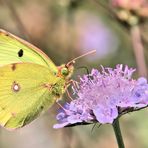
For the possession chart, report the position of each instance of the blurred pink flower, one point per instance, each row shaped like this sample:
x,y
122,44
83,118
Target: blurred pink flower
x,y
140,6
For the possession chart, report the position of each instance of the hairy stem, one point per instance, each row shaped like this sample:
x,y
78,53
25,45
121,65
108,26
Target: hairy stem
x,y
118,134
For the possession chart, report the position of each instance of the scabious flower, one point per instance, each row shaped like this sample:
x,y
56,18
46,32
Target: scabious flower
x,y
102,96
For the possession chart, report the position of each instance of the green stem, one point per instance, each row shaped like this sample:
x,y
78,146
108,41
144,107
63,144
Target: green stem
x,y
118,134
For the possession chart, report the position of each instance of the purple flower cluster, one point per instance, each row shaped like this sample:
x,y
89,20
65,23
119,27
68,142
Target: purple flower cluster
x,y
103,96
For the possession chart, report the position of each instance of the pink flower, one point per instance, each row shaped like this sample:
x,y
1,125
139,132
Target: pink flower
x,y
103,96
139,6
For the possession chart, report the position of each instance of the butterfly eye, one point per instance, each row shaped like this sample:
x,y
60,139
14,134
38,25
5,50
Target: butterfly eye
x,y
64,71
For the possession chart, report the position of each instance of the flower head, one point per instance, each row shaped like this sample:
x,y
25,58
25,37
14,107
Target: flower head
x,y
103,96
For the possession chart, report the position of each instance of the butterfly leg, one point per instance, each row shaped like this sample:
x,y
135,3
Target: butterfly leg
x,y
68,94
57,102
74,87
74,83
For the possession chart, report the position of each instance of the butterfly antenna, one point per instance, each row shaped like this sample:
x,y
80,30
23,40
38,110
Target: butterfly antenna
x,y
73,61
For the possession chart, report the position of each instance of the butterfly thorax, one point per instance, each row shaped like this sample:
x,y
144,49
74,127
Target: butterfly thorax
x,y
59,88
63,76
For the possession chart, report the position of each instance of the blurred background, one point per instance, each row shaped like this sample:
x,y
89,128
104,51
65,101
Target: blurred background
x,y
65,29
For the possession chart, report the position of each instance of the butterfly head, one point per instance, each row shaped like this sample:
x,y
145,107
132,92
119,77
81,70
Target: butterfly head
x,y
66,70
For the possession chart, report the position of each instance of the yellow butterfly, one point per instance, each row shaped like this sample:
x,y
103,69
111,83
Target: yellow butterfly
x,y
29,81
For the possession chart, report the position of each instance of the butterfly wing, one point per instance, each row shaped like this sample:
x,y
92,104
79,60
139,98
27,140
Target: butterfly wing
x,y
24,93
14,49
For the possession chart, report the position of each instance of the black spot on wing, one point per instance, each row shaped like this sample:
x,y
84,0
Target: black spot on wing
x,y
3,108
42,107
20,53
